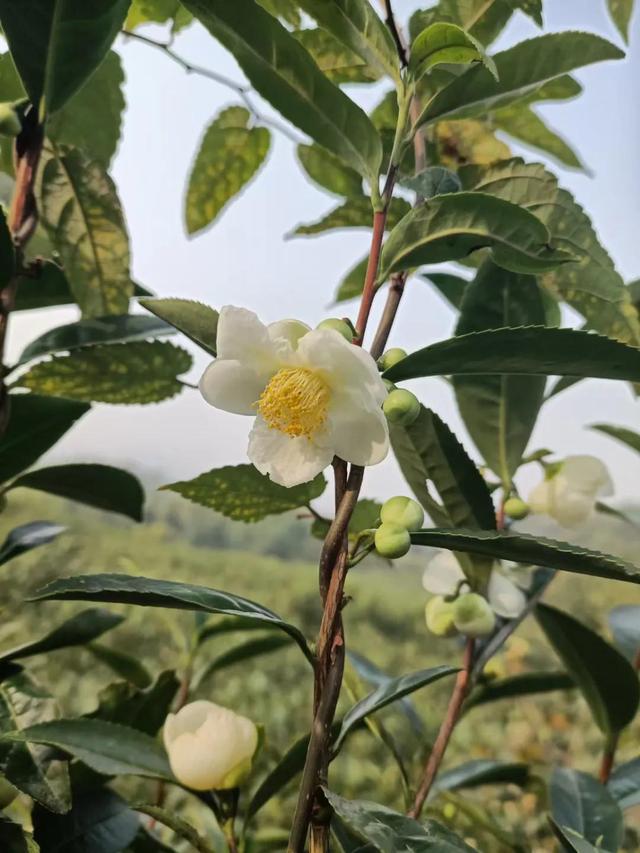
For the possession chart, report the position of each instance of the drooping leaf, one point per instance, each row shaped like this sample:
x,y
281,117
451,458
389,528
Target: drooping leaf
x,y
604,676
500,412
371,673
125,665
36,424
326,170
521,70
137,372
580,803
124,589
386,831
107,748
514,686
242,493
28,536
76,631
444,43
355,212
229,155
531,550
100,486
450,227
452,287
95,330
624,784
353,282
83,217
529,351
27,768
99,821
144,710
532,8
291,763
482,771
338,62
282,71
43,37
238,654
523,124
181,828
432,181
386,694
79,123
621,11
194,319
622,434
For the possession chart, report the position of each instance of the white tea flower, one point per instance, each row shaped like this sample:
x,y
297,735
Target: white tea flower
x,y
313,395
209,747
569,495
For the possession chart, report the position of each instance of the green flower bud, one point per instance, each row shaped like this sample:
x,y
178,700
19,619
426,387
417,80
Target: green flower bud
x,y
390,357
343,327
401,407
10,124
438,615
516,508
473,616
392,540
403,511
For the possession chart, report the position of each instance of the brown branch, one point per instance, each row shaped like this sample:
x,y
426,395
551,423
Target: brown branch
x,y
447,726
396,289
390,21
608,758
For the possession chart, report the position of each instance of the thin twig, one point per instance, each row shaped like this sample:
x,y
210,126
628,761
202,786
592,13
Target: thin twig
x,y
396,289
396,34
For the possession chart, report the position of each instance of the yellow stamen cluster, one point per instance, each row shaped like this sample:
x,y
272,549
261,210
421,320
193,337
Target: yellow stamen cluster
x,y
295,402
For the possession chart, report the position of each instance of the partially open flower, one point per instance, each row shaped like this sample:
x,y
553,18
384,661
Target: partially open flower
x,y
314,395
209,747
570,492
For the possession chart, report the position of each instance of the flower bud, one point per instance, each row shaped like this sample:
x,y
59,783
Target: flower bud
x,y
390,357
209,747
403,511
438,615
473,616
10,124
392,540
516,508
343,327
401,407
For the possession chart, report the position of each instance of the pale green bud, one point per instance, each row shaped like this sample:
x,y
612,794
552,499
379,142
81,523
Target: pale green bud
x,y
343,327
401,407
438,615
403,511
392,541
473,616
390,357
10,124
516,508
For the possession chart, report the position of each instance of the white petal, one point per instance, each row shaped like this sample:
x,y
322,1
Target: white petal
x,y
188,719
443,574
242,337
359,430
288,461
346,367
574,508
541,498
587,474
556,498
232,386
505,597
288,332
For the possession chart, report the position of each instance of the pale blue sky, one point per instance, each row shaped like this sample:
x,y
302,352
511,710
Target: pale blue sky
x,y
244,260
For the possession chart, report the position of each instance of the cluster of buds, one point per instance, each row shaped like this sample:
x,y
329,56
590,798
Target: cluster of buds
x,y
399,517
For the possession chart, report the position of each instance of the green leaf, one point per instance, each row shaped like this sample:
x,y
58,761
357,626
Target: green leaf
x,y
44,35
95,330
181,828
528,351
78,123
107,748
124,665
624,622
330,173
386,694
99,821
7,252
28,536
36,423
194,319
484,20
452,287
624,784
158,12
76,631
353,282
137,372
229,155
592,285
282,71
515,686
287,10
483,771
444,43
450,227
334,59
123,589
524,125
621,11
242,493
387,831
580,803
15,839
27,768
82,215
572,842
522,69
622,434
357,25
432,181
521,548
238,654
144,710
532,8
500,412
355,212
100,486
427,450
291,763
605,677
